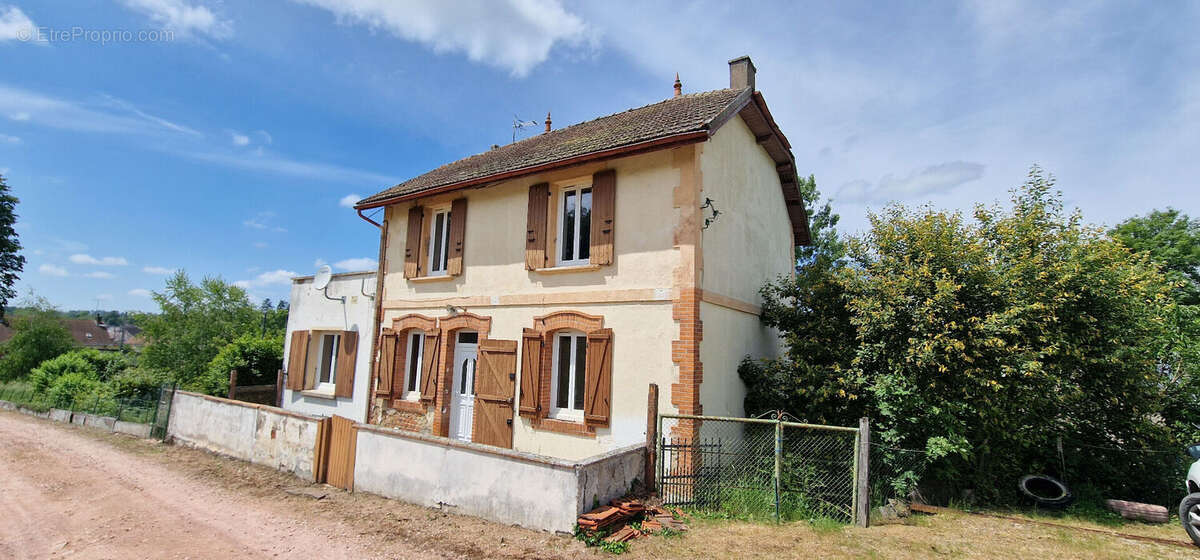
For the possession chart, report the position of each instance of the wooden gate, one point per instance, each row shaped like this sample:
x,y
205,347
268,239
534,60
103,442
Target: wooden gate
x,y
333,458
495,385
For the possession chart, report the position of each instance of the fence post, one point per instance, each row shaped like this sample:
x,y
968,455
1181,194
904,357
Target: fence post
x,y
778,458
862,473
651,436
232,384
279,388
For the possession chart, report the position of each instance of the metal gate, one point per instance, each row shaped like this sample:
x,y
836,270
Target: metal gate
x,y
763,468
333,458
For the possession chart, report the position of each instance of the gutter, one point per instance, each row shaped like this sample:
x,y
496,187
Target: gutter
x,y
632,149
377,320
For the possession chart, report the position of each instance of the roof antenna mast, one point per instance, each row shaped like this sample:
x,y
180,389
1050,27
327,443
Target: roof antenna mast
x,y
519,124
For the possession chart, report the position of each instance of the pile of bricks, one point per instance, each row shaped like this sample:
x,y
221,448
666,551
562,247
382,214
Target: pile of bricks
x,y
617,518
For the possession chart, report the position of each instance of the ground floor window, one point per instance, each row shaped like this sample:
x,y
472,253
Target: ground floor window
x,y
416,352
327,362
567,383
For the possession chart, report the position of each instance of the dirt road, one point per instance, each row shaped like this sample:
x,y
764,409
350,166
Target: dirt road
x,y
68,492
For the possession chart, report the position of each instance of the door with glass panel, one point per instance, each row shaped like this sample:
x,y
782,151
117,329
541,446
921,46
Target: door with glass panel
x,y
462,403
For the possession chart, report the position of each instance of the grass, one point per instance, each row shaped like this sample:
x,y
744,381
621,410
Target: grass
x,y
22,393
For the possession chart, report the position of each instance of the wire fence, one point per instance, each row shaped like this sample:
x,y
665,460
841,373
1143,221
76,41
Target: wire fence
x,y
758,469
141,411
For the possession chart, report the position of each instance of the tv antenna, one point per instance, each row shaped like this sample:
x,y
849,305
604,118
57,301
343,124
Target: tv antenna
x,y
519,124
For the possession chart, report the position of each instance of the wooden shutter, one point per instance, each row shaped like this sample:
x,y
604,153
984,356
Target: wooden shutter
x,y
604,190
297,360
531,372
412,246
495,372
429,373
387,363
598,379
347,356
535,237
458,233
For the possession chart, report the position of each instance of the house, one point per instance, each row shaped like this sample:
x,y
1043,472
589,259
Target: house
x,y
530,294
329,339
91,333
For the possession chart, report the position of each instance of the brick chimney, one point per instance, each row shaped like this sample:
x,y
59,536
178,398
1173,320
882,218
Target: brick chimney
x,y
547,121
741,73
678,86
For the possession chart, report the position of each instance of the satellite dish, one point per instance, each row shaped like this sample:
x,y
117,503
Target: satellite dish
x,y
321,278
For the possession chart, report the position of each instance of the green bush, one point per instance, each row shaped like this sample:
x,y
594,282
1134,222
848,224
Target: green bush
x,y
37,336
48,373
138,383
75,388
256,359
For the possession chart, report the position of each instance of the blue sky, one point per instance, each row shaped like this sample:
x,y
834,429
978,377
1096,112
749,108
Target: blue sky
x,y
222,137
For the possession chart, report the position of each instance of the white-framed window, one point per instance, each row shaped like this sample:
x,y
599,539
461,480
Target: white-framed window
x,y
412,365
439,241
575,226
327,358
570,366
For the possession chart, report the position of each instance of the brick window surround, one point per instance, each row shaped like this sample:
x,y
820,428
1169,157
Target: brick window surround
x,y
548,325
401,327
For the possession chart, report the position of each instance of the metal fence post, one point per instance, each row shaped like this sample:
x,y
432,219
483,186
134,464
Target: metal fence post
x,y
778,458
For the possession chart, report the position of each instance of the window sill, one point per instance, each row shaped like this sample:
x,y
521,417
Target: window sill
x,y
317,394
567,269
427,279
573,428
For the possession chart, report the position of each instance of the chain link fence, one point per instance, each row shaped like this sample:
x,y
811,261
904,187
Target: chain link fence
x,y
141,411
758,468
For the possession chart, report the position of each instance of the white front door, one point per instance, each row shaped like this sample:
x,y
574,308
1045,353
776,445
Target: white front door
x,y
462,401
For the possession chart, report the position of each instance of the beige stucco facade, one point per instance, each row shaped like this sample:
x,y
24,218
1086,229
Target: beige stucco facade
x,y
659,254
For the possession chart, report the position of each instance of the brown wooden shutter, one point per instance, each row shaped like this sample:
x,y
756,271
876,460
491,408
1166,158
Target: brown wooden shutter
x,y
412,246
604,209
387,363
347,358
297,360
598,379
535,237
429,373
458,234
531,372
494,373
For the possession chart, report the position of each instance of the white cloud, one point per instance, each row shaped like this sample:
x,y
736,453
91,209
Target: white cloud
x,y
349,200
101,275
262,221
16,26
319,263
272,278
104,114
157,270
934,179
357,264
139,292
516,35
6,139
239,139
266,136
262,161
260,245
52,270
182,17
80,258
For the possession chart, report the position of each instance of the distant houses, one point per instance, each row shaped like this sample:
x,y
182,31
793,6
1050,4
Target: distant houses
x,y
94,333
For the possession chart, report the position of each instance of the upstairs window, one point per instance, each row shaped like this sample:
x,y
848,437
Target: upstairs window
x,y
575,219
439,241
570,367
416,351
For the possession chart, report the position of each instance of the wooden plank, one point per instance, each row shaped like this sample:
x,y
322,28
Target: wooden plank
x,y
531,371
494,388
347,358
342,445
604,187
862,493
387,361
458,233
297,360
598,378
412,245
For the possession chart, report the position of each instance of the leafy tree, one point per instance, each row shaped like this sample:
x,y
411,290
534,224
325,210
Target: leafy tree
x,y
983,342
195,322
38,335
1171,239
274,317
11,261
47,374
257,360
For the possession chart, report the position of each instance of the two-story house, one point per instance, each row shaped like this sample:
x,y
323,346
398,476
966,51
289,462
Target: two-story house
x,y
529,294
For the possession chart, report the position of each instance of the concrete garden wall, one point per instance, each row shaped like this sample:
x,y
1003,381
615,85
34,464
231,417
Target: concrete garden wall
x,y
83,419
261,434
506,486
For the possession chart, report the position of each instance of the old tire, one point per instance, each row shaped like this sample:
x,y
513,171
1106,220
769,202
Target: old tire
x,y
1189,516
1045,491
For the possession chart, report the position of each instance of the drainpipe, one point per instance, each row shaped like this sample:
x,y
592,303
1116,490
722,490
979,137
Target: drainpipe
x,y
378,318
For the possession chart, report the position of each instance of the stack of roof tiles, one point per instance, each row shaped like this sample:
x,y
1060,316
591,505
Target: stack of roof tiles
x,y
616,518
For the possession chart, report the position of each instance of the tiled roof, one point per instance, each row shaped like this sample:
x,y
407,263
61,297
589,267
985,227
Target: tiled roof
x,y
87,333
688,113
